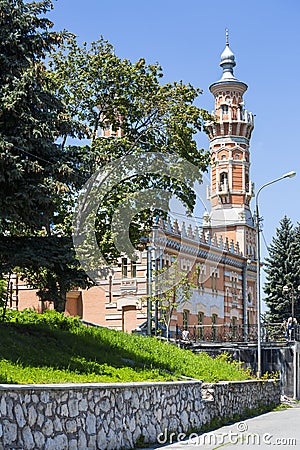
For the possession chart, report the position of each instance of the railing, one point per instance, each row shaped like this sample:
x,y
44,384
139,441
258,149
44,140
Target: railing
x,y
223,188
270,332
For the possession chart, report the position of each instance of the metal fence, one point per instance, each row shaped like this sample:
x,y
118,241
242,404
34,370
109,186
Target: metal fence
x,y
270,332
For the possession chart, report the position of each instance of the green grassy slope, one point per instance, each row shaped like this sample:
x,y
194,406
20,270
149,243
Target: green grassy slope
x,y
51,348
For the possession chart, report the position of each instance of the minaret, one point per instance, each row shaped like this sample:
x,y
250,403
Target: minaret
x,y
229,134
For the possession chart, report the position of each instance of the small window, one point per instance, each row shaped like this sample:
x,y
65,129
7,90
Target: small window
x,y
249,321
133,269
234,286
223,157
124,268
214,277
234,327
214,332
200,325
185,319
247,182
200,276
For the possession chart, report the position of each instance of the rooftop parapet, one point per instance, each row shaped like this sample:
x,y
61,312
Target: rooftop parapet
x,y
199,236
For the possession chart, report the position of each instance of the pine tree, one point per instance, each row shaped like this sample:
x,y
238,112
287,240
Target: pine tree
x,y
33,172
280,271
295,276
31,164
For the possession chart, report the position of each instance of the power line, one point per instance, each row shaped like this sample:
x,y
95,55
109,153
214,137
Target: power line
x,y
264,239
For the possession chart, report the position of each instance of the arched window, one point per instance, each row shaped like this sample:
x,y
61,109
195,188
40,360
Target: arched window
x,y
200,325
224,109
185,319
223,180
214,321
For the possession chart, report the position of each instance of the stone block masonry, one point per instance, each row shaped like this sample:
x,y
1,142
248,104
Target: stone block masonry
x,y
121,415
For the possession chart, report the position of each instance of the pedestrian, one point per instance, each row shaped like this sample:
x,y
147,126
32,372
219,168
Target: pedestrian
x,y
185,335
292,321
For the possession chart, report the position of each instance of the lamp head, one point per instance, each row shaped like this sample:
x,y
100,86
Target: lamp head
x,y
289,174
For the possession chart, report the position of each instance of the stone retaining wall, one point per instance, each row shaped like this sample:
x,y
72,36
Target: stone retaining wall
x,y
118,416
226,399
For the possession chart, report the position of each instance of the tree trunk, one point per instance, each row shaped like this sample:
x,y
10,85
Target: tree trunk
x,y
61,302
61,299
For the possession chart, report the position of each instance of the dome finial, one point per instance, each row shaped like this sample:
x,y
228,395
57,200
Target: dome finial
x,y
227,60
227,36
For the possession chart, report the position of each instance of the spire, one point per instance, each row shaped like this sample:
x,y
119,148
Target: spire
x,y
227,61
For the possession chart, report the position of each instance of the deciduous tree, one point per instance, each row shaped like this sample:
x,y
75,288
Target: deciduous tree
x,y
176,289
102,91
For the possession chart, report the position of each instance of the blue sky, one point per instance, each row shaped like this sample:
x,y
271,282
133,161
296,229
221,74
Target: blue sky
x,y
187,38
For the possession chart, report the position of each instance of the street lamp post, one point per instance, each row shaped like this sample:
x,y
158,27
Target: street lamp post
x,y
146,243
149,290
257,228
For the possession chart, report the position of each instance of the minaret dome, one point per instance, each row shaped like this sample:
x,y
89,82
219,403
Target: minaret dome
x,y
227,61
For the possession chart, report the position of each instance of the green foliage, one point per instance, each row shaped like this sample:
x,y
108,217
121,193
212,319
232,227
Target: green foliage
x,y
3,290
282,407
46,262
176,288
282,269
271,376
101,90
31,164
81,90
34,168
49,319
46,348
217,422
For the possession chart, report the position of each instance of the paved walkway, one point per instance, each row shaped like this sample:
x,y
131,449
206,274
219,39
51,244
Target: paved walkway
x,y
273,430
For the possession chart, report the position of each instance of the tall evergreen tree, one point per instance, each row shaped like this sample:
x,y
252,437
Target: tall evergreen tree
x,y
32,169
280,271
295,276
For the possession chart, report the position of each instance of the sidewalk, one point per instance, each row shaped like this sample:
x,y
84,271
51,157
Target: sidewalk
x,y
276,429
